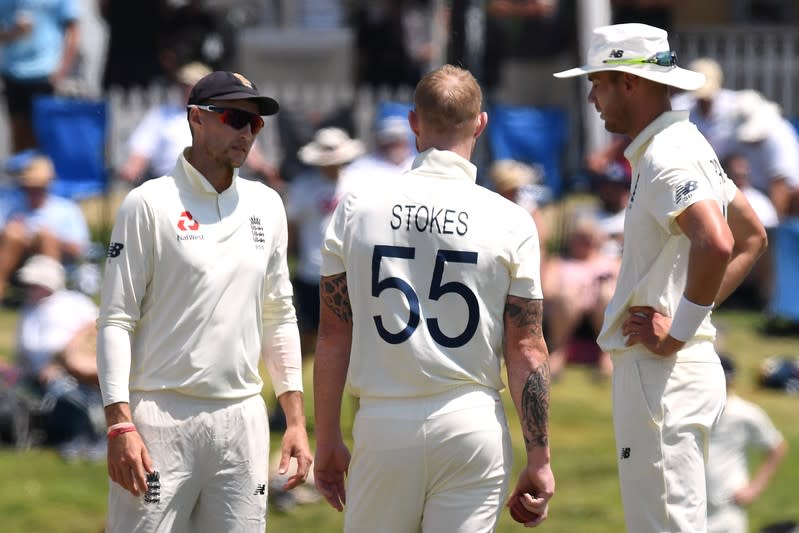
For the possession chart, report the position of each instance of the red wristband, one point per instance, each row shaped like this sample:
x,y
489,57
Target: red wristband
x,y
119,429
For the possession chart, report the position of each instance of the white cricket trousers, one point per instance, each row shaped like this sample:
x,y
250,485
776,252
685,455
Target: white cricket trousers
x,y
213,459
435,464
663,411
727,518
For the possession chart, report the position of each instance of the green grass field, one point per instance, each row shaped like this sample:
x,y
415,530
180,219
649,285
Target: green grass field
x,y
42,493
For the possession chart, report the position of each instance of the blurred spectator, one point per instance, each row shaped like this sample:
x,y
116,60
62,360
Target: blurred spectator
x,y
578,288
40,45
540,38
311,199
755,290
195,31
736,166
393,153
164,132
771,145
613,193
54,346
520,183
600,160
653,12
743,428
390,49
134,30
319,14
39,222
711,107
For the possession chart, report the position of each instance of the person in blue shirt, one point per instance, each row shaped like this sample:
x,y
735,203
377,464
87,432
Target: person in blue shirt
x,y
40,44
36,221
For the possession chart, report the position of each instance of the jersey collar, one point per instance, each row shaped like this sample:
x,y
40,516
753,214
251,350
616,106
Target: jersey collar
x,y
656,126
444,164
196,180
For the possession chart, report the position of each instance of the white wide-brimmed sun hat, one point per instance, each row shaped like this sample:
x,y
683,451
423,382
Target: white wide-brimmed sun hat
x,y
755,116
331,147
44,271
637,49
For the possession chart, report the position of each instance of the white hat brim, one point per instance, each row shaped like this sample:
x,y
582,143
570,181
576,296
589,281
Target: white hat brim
x,y
676,76
311,154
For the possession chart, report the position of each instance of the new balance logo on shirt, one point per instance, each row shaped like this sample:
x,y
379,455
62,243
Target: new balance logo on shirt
x,y
683,192
625,453
260,490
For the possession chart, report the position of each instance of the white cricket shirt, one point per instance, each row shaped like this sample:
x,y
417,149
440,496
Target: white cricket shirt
x,y
430,258
192,275
673,167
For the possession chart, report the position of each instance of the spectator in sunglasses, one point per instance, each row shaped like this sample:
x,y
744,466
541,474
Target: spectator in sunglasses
x,y
196,291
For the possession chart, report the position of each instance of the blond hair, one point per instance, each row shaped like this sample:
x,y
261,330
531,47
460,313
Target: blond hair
x,y
448,99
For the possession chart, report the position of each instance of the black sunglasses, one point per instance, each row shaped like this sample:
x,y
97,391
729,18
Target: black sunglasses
x,y
663,59
235,118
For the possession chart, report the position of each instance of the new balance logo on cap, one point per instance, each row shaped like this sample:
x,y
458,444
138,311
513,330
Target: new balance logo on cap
x,y
260,490
625,453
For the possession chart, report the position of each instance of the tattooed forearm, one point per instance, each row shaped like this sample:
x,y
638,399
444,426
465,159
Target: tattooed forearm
x,y
525,313
535,408
336,297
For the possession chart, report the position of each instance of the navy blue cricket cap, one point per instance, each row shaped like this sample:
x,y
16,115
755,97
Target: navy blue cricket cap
x,y
223,85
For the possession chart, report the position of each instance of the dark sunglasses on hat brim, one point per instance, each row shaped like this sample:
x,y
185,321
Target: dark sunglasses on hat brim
x,y
663,59
235,118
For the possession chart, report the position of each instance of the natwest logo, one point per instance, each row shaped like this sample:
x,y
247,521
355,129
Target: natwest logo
x,y
187,222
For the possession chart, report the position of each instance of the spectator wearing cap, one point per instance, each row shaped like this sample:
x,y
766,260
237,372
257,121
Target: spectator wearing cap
x,y
163,133
39,222
311,199
743,430
771,145
711,107
392,155
613,193
54,351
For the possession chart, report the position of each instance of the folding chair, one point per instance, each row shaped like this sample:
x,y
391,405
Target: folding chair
x,y
72,132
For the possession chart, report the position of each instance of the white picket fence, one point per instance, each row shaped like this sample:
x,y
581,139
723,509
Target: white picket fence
x,y
310,101
752,57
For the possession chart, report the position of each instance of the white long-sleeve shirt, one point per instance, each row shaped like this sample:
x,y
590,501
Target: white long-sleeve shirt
x,y
195,279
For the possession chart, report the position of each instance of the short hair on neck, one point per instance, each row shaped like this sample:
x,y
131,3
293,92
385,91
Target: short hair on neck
x,y
448,98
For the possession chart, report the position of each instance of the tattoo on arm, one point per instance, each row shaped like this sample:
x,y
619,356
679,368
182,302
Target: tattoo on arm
x,y
535,407
525,313
336,297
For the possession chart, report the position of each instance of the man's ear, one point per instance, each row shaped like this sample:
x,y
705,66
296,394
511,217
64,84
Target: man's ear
x,y
629,81
195,116
482,122
413,121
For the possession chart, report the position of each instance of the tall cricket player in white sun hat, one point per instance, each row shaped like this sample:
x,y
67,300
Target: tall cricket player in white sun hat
x,y
690,237
427,281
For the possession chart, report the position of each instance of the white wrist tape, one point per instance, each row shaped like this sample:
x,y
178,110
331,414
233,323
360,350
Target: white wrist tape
x,y
687,319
